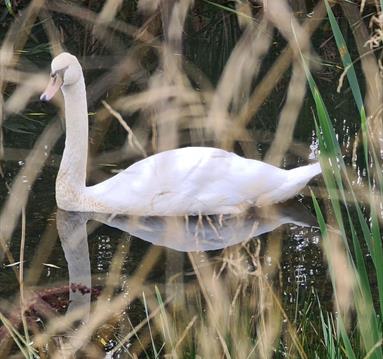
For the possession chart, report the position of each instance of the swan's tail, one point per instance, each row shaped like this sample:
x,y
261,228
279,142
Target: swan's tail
x,y
305,173
299,177
296,179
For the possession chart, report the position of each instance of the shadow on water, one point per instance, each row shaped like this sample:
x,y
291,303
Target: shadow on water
x,y
184,234
204,233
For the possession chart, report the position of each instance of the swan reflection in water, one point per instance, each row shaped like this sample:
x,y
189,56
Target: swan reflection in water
x,y
186,234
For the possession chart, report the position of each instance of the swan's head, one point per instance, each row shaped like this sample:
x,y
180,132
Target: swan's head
x,y
65,71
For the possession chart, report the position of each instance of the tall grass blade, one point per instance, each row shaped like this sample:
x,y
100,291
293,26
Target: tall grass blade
x,y
332,162
229,9
347,62
24,346
8,4
373,238
156,354
326,329
164,318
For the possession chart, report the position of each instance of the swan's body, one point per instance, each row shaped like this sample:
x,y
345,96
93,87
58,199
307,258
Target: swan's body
x,y
192,180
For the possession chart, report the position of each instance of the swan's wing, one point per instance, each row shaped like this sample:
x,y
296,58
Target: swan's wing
x,y
188,180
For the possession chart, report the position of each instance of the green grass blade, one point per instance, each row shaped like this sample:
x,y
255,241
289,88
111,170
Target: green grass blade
x,y
374,238
332,165
351,76
23,345
164,318
149,327
229,9
326,330
8,4
346,59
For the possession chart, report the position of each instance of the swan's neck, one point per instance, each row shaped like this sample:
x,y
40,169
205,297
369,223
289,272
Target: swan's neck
x,y
72,172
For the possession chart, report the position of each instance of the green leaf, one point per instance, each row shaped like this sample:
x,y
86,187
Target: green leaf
x,y
8,4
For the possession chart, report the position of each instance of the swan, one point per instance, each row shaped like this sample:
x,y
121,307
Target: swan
x,y
184,181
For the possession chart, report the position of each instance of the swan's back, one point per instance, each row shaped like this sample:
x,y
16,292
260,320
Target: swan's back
x,y
190,180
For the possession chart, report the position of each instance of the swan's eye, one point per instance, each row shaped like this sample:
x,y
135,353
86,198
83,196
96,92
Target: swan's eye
x,y
59,73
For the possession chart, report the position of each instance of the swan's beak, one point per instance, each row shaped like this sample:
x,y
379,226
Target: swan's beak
x,y
53,86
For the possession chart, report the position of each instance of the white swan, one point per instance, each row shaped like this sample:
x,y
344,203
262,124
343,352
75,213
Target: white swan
x,y
192,180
